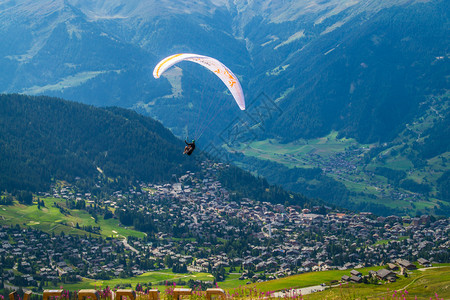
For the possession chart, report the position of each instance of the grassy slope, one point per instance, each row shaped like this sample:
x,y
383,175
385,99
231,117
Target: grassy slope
x,y
50,219
423,284
307,279
295,154
154,278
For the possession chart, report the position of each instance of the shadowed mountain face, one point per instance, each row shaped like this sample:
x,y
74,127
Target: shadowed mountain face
x,y
359,67
44,139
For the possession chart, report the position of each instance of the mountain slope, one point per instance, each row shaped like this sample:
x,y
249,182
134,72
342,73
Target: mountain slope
x,y
359,67
367,78
44,138
52,49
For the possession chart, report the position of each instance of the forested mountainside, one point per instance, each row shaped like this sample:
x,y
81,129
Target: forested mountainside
x,y
44,139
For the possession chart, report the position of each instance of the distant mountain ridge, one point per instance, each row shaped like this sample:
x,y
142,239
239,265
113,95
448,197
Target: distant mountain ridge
x,y
372,76
359,67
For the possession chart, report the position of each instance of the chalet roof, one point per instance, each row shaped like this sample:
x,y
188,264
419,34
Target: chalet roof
x,y
384,274
356,279
392,266
423,261
404,263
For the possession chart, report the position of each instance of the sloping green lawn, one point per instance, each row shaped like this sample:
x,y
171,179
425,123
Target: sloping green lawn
x,y
421,284
50,219
153,277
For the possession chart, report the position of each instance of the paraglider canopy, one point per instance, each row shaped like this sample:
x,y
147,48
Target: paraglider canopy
x,y
225,74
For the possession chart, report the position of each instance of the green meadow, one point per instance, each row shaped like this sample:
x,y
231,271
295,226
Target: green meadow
x,y
147,279
295,154
307,279
51,220
420,284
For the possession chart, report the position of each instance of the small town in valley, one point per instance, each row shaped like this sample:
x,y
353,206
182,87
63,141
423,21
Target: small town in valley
x,y
194,224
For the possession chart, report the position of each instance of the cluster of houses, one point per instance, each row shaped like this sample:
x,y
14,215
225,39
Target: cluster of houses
x,y
301,239
394,269
344,166
195,223
40,257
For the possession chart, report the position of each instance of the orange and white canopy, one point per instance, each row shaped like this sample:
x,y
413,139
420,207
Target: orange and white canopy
x,y
211,64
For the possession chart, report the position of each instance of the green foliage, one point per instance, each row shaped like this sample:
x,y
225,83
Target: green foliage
x,y
424,284
411,185
394,176
25,197
179,268
6,200
406,181
438,138
444,186
376,208
108,215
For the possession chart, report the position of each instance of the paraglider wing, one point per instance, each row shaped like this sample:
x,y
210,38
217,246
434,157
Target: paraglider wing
x,y
210,63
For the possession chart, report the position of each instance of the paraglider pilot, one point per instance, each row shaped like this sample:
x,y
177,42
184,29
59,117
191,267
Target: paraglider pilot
x,y
190,147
